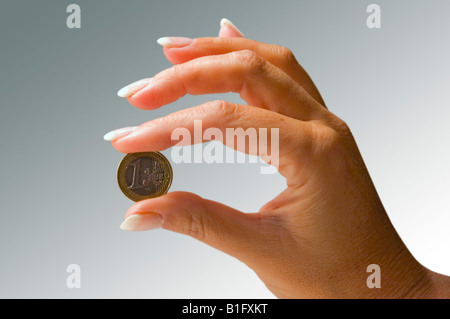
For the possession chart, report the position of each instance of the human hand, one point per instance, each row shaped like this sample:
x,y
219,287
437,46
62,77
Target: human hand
x,y
315,239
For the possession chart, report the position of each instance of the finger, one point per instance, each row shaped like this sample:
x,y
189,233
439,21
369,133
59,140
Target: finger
x,y
241,235
271,136
229,30
257,81
279,56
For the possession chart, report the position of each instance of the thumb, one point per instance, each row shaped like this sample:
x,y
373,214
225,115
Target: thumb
x,y
229,30
238,234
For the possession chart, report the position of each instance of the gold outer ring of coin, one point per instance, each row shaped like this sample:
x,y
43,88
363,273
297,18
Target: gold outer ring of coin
x,y
130,158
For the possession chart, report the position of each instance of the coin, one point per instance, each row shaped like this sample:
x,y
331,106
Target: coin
x,y
144,175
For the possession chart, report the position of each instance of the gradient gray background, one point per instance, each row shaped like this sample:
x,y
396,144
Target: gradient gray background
x,y
59,200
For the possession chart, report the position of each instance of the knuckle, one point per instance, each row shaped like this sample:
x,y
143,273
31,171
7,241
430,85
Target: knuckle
x,y
250,60
223,109
341,127
177,70
338,125
334,146
196,227
327,140
285,55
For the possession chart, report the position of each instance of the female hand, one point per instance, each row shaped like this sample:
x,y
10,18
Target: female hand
x,y
317,238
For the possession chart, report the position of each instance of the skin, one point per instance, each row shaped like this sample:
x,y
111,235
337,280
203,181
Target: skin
x,y
315,239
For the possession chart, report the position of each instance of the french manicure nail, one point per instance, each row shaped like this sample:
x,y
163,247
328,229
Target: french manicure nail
x,y
174,42
133,88
119,133
142,221
227,23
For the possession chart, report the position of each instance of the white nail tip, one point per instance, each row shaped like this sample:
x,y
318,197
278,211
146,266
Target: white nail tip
x,y
139,222
124,92
164,41
109,136
116,134
132,88
226,22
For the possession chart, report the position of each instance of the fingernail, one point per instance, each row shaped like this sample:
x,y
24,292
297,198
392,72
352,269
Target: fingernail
x,y
227,23
119,133
133,88
141,221
174,42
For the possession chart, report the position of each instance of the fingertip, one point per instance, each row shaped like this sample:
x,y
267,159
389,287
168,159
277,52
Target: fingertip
x,y
139,102
147,98
178,55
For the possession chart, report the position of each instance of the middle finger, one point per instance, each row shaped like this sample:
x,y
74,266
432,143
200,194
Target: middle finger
x,y
257,81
